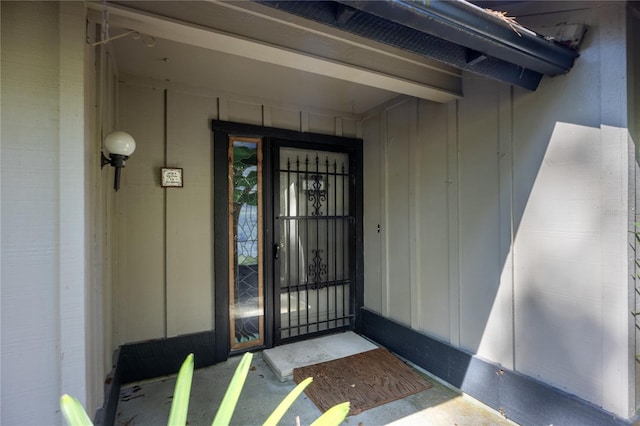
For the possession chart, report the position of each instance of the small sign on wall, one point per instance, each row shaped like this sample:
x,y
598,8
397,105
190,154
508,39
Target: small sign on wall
x,y
171,177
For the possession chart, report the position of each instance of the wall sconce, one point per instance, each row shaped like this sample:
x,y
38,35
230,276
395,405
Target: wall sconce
x,y
120,145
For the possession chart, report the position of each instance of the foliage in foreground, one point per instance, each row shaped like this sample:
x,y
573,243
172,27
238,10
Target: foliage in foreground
x,y
75,415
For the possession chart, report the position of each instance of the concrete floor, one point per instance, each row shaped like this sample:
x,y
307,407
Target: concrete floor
x,y
148,403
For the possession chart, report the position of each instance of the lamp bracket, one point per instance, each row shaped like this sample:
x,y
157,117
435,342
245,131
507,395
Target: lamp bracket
x,y
104,160
136,35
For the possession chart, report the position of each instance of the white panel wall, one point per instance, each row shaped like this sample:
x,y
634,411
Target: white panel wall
x,y
244,112
557,211
478,176
432,193
373,177
571,287
140,287
522,254
282,118
398,228
320,123
189,255
165,253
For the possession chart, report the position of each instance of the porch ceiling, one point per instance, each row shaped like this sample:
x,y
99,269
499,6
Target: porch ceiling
x,y
249,49
257,49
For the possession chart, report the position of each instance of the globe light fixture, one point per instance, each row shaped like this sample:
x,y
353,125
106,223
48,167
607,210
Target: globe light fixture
x,y
120,145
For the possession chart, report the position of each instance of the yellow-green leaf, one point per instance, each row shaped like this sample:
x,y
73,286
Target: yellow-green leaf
x,y
282,408
228,405
73,412
334,415
181,393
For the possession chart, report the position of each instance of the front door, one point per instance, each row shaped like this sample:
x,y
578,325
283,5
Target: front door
x,y
288,235
314,247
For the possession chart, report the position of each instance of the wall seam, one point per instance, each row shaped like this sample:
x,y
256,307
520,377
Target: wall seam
x,y
385,188
512,233
164,218
453,201
414,223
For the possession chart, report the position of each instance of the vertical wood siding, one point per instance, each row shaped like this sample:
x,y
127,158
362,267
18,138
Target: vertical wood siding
x,y
140,285
189,247
520,203
165,255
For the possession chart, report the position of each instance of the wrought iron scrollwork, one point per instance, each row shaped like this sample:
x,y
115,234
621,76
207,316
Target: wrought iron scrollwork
x,y
316,193
317,270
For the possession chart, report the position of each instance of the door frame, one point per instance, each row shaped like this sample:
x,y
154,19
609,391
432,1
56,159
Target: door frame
x,y
221,132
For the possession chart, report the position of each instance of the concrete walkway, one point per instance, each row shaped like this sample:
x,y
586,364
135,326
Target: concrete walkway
x,y
148,403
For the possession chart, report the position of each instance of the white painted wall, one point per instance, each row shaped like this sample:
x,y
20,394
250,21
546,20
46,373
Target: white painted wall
x,y
47,348
505,219
165,251
571,284
633,96
189,254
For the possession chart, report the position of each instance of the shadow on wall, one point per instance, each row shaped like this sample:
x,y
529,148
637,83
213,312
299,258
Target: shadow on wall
x,y
542,309
555,265
562,347
542,180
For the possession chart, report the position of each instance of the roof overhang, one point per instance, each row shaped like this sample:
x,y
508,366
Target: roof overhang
x,y
338,56
454,32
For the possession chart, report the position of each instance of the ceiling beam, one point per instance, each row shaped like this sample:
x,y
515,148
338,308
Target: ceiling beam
x,y
209,38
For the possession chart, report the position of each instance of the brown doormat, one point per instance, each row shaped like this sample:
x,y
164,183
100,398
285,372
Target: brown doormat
x,y
367,379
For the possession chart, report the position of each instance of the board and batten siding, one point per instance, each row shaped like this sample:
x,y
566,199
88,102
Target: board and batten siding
x,y
165,258
505,219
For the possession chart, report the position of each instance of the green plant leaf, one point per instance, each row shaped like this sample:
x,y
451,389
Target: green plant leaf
x,y
282,408
334,415
228,405
73,412
181,393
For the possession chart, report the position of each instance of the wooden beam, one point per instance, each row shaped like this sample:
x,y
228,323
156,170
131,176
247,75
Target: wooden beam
x,y
212,39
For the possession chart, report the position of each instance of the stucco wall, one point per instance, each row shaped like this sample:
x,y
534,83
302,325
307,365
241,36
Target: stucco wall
x,y
45,344
505,219
165,250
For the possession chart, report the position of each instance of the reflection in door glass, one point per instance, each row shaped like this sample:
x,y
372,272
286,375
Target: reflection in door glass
x,y
314,224
245,264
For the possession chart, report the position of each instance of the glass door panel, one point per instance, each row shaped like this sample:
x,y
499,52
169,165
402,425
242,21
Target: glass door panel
x,y
246,289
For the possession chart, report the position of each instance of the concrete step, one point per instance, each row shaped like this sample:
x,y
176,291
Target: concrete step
x,y
283,359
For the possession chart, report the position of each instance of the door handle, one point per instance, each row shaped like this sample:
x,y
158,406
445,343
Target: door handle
x,y
276,251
